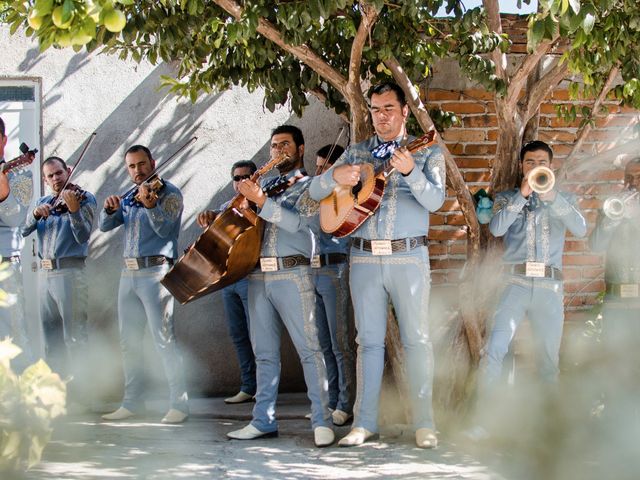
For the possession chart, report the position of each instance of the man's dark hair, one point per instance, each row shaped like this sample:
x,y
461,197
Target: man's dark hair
x,y
54,159
535,146
139,148
244,164
335,154
295,132
389,87
2,127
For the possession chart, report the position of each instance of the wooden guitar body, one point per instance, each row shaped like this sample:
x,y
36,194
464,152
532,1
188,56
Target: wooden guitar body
x,y
348,207
223,254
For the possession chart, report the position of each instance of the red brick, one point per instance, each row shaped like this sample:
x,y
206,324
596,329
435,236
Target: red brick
x,y
492,135
446,264
437,234
547,108
588,203
438,278
575,246
615,121
436,219
553,136
579,300
581,260
455,219
480,121
587,286
483,176
471,162
572,273
450,205
436,94
464,135
560,95
456,148
464,107
436,249
477,94
555,121
458,248
592,272
480,149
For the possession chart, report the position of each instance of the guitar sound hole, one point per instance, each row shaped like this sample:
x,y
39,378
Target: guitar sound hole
x,y
356,189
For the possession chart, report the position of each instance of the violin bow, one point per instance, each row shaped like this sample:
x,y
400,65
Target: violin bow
x,y
333,147
92,137
161,166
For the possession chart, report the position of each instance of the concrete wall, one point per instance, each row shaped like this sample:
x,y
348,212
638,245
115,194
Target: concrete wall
x,y
121,101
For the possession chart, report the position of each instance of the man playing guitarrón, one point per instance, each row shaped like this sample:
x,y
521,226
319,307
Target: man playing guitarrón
x,y
389,258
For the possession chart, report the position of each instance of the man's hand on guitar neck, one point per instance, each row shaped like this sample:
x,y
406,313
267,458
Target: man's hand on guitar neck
x,y
347,175
403,161
252,192
5,189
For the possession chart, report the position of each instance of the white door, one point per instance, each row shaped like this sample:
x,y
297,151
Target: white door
x,y
20,109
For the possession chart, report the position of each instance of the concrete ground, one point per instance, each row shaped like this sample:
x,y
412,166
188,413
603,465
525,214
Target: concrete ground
x,y
84,447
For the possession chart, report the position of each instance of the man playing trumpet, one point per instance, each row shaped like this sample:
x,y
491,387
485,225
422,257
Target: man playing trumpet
x,y
616,233
533,219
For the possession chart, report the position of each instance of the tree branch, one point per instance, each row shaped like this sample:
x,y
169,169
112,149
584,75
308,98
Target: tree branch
x,y
542,89
519,77
587,127
301,52
492,9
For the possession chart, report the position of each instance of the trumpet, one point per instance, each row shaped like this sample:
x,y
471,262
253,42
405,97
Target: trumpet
x,y
617,207
541,179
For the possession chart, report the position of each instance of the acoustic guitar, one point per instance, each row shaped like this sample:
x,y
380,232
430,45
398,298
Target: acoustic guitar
x,y
346,208
227,251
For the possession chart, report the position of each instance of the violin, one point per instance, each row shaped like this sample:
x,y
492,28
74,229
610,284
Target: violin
x,y
134,197
59,206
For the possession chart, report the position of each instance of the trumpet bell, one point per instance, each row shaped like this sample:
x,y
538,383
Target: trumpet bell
x,y
613,208
541,179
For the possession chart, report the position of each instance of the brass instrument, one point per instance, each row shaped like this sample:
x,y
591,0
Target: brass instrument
x,y
617,207
541,179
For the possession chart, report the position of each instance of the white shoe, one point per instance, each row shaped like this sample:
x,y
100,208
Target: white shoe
x,y
340,417
120,414
426,438
357,436
240,397
174,416
477,433
323,436
250,433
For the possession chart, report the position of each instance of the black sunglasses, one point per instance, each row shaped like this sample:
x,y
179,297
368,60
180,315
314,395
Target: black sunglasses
x,y
237,178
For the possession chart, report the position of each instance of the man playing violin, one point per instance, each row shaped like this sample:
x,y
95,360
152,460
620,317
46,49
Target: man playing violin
x,y
533,226
281,290
63,221
16,188
389,259
235,300
151,214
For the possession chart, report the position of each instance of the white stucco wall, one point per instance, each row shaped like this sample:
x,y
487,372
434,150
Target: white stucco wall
x,y
121,101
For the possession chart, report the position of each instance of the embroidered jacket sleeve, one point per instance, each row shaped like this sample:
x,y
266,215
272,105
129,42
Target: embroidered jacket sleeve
x,y
166,213
565,208
603,233
82,220
14,207
30,224
322,185
290,219
506,208
110,221
428,184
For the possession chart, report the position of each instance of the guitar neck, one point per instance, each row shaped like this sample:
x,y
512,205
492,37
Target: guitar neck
x,y
418,144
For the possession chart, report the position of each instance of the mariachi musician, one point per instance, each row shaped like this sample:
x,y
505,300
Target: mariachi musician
x,y
151,214
63,221
389,258
16,188
281,291
533,219
617,232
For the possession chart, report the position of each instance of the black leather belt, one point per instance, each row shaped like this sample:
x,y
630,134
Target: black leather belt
x,y
333,259
549,272
623,290
286,262
146,262
60,263
12,259
399,245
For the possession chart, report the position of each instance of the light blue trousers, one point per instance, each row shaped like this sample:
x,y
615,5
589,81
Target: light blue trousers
x,y
63,312
285,298
405,279
235,299
332,290
541,300
12,320
143,301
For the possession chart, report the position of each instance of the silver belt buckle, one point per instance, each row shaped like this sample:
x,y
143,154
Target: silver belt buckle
x,y
535,269
269,264
381,247
131,264
629,290
46,264
315,261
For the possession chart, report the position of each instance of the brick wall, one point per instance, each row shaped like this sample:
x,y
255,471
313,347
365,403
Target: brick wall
x,y
473,144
